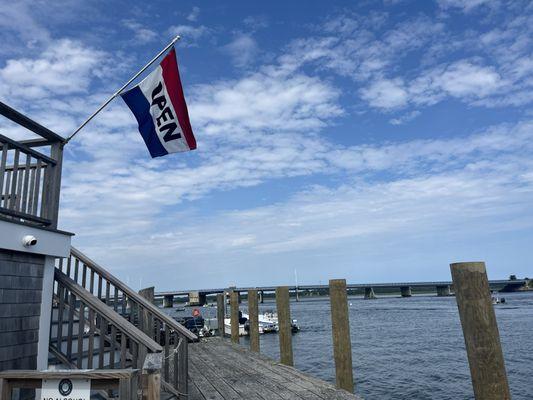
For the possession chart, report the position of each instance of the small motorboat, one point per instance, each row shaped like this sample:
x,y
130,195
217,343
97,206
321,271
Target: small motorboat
x,y
227,328
496,299
272,317
264,326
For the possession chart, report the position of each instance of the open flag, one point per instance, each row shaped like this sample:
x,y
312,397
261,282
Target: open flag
x,y
160,109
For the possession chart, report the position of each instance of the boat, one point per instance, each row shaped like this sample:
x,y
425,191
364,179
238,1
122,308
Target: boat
x,y
264,326
194,323
227,327
271,317
496,299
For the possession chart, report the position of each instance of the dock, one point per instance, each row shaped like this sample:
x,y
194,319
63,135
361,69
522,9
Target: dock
x,y
220,370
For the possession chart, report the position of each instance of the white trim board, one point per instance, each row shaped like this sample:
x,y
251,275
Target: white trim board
x,y
50,243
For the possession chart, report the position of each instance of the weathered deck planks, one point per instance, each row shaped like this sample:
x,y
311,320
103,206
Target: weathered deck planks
x,y
220,370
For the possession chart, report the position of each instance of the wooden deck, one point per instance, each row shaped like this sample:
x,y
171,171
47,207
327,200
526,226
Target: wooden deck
x,y
219,370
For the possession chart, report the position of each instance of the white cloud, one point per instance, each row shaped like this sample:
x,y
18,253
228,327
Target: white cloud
x,y
193,15
461,79
142,34
65,67
189,34
465,5
402,119
421,61
264,101
15,17
242,49
386,93
357,47
256,22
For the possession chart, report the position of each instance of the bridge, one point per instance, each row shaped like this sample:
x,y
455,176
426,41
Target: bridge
x,y
443,288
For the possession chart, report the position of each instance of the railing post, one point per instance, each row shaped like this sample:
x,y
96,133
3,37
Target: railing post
x,y
152,372
220,314
480,331
52,184
284,323
183,368
340,330
253,315
234,300
147,322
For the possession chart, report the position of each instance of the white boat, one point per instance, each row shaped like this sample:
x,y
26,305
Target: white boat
x,y
268,323
265,325
227,328
271,319
496,299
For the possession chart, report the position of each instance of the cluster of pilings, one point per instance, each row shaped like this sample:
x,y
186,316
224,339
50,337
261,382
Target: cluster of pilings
x,y
478,320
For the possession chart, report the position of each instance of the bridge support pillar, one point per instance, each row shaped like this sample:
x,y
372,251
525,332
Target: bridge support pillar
x,y
369,293
261,297
406,291
443,290
168,301
197,298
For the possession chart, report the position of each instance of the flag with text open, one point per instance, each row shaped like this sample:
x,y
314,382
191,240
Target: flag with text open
x,y
160,109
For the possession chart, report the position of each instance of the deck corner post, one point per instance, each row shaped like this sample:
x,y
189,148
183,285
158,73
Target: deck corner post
x,y
234,300
340,330
480,331
284,323
151,369
253,314
220,314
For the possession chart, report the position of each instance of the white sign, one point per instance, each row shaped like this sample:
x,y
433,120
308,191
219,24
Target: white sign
x,y
66,389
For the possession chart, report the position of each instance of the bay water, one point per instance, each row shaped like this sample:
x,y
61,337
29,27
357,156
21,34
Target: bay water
x,y
403,348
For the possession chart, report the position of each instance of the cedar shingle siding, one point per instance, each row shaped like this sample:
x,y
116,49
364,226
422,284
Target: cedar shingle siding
x,y
20,305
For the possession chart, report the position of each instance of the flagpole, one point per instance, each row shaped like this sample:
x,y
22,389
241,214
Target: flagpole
x,y
122,88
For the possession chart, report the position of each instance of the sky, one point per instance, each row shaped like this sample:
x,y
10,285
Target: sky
x,y
375,141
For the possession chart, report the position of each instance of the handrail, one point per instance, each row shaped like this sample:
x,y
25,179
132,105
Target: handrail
x,y
133,295
27,150
108,313
30,124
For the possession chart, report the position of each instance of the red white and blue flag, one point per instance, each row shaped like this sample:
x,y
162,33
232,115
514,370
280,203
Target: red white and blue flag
x,y
160,109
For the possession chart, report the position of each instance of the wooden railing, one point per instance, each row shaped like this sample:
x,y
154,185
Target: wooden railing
x,y
30,180
85,333
148,318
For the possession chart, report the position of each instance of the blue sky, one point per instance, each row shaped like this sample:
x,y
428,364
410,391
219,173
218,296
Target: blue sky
x,y
372,141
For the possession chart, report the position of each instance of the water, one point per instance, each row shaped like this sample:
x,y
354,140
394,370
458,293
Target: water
x,y
405,348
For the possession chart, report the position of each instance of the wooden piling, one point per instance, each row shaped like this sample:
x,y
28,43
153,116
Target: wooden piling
x,y
221,314
234,300
147,318
284,323
480,331
253,315
340,329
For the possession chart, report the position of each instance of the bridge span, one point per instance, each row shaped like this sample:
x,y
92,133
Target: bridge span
x,y
442,288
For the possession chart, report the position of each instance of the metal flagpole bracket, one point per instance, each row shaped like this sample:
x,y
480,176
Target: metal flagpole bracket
x,y
178,37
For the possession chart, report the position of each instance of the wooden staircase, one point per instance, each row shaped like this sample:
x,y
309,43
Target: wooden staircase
x,y
100,323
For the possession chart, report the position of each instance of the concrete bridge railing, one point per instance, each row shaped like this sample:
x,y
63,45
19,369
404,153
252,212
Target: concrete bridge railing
x,y
199,297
